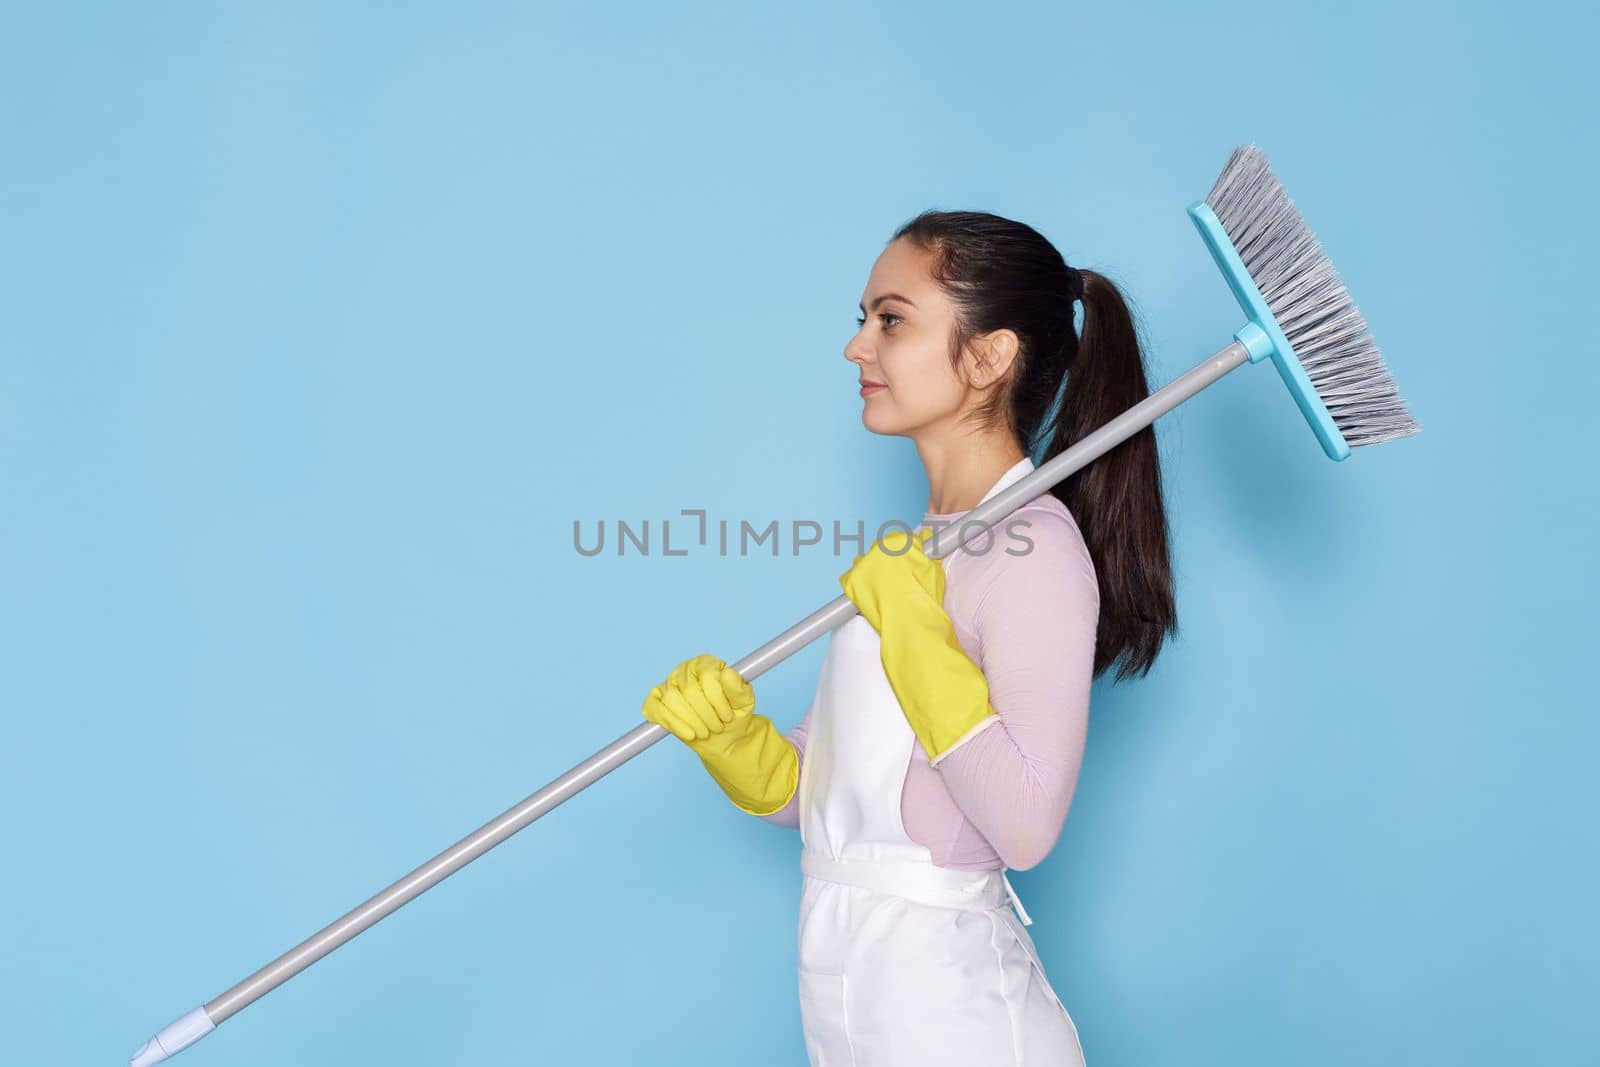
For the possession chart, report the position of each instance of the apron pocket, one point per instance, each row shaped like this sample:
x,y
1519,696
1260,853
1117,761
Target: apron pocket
x,y
823,1019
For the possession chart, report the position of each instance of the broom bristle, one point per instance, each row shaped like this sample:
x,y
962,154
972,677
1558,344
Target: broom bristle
x,y
1307,297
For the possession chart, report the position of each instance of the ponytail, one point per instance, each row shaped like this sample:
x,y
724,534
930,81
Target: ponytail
x,y
1116,499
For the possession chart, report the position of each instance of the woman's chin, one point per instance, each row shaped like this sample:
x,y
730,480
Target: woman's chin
x,y
887,423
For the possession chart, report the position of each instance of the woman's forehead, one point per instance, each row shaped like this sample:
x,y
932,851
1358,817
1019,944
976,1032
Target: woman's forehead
x,y
901,271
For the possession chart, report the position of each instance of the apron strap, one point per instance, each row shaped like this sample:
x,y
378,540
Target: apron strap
x,y
1016,901
926,883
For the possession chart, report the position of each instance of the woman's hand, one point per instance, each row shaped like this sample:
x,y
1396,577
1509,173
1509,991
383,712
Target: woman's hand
x,y
893,572
942,692
710,708
702,696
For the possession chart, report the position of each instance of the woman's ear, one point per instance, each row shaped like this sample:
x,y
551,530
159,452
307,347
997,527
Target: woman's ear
x,y
990,357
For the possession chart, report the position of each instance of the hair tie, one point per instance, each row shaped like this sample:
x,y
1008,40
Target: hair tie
x,y
1074,284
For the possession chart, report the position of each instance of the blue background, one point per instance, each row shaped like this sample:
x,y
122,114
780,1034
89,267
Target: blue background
x,y
319,329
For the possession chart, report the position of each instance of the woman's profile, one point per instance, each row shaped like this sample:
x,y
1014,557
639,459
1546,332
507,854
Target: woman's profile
x,y
944,740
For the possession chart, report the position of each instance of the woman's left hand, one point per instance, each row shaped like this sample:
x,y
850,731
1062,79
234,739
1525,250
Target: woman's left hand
x,y
895,569
900,590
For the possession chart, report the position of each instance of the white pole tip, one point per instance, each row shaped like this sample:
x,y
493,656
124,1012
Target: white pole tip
x,y
174,1038
148,1054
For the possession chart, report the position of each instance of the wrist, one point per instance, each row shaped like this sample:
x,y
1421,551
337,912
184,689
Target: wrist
x,y
757,766
936,759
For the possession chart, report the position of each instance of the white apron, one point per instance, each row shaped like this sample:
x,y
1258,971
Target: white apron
x,y
902,962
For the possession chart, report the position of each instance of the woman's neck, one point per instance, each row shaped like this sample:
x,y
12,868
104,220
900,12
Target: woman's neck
x,y
962,469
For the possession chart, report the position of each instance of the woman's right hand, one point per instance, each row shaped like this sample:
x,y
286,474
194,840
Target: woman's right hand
x,y
703,696
709,707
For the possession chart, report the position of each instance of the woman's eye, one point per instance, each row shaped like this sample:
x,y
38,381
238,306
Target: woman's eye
x,y
886,315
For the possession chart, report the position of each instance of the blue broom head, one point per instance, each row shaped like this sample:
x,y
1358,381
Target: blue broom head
x,y
1299,313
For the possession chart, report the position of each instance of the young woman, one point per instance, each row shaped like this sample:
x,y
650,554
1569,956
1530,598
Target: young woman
x,y
948,726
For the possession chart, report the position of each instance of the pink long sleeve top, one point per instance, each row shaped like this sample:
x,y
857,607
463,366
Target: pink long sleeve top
x,y
1026,611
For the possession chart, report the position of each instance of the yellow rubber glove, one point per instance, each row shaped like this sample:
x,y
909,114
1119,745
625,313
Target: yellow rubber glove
x,y
900,590
711,709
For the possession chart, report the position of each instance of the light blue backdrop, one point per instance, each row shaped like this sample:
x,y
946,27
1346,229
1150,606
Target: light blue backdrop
x,y
320,330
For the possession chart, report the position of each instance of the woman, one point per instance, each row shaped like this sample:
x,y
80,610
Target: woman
x,y
944,740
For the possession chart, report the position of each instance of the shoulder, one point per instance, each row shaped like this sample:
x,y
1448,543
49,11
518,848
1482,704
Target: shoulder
x,y
1039,542
1035,590
1033,557
1037,546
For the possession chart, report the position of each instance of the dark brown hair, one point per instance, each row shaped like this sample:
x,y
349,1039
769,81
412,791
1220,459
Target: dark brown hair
x,y
1002,274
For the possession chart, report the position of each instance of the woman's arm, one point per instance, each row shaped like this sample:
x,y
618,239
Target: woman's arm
x,y
1036,618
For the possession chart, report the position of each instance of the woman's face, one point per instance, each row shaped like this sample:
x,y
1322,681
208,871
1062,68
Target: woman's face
x,y
903,346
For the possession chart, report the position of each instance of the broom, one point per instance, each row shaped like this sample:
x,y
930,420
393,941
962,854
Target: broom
x,y
1298,315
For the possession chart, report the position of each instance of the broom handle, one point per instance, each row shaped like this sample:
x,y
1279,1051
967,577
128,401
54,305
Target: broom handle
x,y
749,668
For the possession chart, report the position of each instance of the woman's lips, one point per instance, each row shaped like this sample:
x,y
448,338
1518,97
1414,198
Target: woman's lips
x,y
870,387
